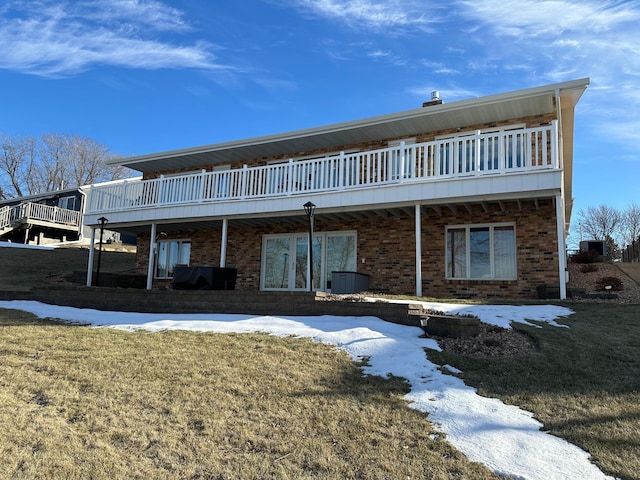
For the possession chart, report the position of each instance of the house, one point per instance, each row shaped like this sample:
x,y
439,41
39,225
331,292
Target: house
x,y
50,217
464,199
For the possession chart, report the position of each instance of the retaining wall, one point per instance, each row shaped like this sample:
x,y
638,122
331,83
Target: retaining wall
x,y
216,301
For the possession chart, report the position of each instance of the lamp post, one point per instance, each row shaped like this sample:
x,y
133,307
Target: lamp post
x,y
309,209
103,222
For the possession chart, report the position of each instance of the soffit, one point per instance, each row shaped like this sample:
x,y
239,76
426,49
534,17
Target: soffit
x,y
494,108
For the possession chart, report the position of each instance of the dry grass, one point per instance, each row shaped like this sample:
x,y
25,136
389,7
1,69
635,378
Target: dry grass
x,y
23,268
584,384
82,402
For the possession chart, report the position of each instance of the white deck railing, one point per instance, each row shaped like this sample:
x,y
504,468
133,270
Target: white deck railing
x,y
5,215
466,156
43,213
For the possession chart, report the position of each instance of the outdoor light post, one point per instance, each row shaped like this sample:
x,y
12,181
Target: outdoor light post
x,y
309,208
103,222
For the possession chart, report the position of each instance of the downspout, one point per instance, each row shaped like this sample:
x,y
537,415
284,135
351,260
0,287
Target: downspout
x,y
91,252
560,210
562,257
418,251
82,211
152,256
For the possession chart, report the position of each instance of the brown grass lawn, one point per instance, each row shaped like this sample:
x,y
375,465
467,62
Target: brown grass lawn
x,y
583,384
23,268
80,402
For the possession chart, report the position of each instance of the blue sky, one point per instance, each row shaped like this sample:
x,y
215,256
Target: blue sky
x,y
147,76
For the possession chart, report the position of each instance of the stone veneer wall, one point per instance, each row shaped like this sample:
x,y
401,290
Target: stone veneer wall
x,y
386,249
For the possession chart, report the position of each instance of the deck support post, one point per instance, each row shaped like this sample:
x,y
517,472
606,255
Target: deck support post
x,y
223,243
418,251
92,247
153,246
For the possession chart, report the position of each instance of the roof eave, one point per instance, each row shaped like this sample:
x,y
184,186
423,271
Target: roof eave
x,y
570,92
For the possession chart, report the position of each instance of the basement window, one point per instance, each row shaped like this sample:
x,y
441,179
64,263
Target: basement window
x,y
481,252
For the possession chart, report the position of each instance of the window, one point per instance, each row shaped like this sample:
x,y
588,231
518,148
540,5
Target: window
x,y
222,181
285,259
481,252
170,254
402,164
495,148
67,202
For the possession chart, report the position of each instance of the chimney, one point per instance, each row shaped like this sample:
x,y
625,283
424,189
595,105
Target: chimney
x,y
435,100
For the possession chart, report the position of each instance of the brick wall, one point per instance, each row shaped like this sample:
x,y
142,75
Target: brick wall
x,y
386,249
536,250
386,243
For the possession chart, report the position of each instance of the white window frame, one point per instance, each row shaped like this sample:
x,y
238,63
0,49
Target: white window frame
x,y
170,268
63,202
467,228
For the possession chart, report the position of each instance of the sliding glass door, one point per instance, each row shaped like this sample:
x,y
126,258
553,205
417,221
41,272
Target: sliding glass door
x,y
285,259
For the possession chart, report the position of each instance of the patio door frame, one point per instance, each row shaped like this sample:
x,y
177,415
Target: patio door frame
x,y
290,266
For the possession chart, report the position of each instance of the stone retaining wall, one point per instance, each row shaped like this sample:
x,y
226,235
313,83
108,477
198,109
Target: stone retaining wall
x,y
216,301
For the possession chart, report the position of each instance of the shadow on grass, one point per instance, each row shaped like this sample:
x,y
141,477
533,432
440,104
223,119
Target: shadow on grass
x,y
20,318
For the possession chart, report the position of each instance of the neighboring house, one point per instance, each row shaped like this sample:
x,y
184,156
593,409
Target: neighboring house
x,y
464,199
50,217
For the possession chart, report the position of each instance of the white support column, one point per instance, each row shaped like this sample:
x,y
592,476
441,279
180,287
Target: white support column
x,y
402,162
562,253
223,243
418,251
153,245
91,252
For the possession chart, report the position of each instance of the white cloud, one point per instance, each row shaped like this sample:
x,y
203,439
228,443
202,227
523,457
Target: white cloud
x,y
387,56
549,17
379,15
438,67
148,13
565,39
58,39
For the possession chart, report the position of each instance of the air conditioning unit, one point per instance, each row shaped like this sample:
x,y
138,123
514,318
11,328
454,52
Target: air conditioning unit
x,y
599,246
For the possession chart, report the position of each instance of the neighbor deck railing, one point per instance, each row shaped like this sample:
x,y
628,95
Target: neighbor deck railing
x,y
5,220
465,156
43,213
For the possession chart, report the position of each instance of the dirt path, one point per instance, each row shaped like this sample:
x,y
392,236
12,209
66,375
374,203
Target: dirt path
x,y
631,269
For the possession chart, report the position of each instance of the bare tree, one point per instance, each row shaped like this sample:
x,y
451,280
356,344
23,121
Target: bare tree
x,y
601,222
630,229
17,161
87,163
55,156
29,166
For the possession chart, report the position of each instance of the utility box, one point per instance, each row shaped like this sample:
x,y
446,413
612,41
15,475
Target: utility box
x,y
599,246
349,282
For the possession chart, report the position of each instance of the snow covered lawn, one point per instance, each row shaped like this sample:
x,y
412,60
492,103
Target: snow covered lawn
x,y
504,438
